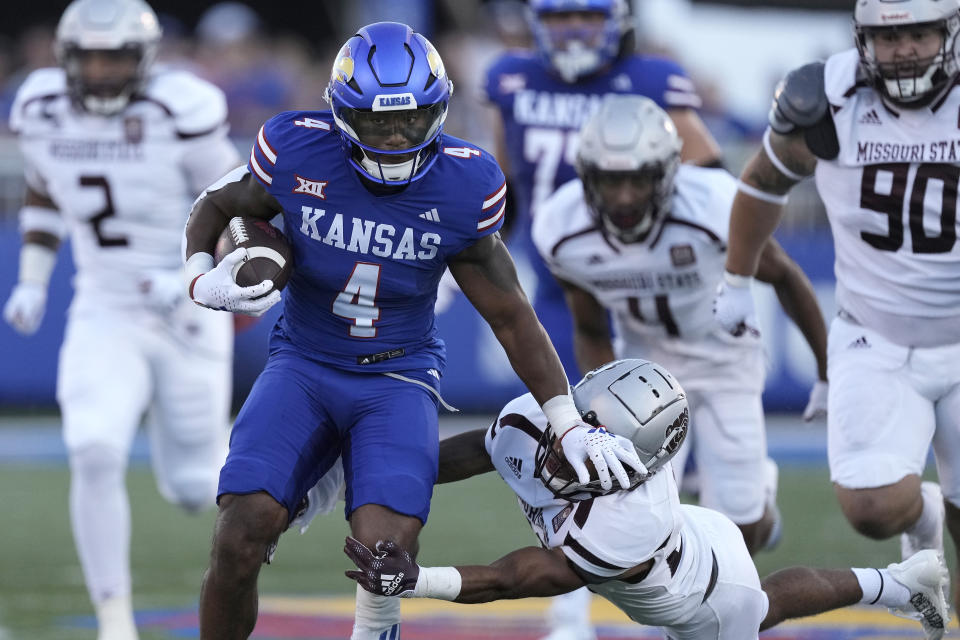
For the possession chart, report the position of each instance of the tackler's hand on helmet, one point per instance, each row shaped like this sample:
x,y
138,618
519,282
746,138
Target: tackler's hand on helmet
x,y
637,415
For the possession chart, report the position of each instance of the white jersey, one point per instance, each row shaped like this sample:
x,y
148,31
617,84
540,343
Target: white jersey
x,y
124,184
607,535
891,196
660,291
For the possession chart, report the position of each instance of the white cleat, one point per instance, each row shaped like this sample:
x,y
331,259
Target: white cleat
x,y
925,575
571,632
115,619
912,543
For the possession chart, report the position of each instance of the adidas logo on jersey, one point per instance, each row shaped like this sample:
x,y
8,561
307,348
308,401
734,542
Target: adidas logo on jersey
x,y
859,343
870,117
516,465
431,215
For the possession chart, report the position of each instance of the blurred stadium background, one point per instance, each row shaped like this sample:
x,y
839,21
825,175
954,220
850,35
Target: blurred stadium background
x,y
270,56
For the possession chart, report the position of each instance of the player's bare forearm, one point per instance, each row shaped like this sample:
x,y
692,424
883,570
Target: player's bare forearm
x,y
211,213
798,299
753,219
699,146
531,572
463,456
592,345
487,276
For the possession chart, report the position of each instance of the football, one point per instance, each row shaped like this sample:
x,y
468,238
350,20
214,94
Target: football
x,y
269,256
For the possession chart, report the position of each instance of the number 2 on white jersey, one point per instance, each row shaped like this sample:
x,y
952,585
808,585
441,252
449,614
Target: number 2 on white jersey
x,y
356,301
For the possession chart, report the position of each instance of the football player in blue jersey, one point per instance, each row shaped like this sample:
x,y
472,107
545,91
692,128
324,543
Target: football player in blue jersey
x,y
377,202
584,50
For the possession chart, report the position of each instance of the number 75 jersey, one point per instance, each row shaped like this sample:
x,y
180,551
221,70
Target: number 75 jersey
x,y
891,196
367,266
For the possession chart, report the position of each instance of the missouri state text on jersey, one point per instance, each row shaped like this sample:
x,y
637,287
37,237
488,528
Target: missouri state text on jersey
x,y
366,266
542,115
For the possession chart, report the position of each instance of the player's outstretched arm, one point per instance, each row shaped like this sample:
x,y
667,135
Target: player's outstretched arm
x,y
699,146
592,345
530,572
463,456
487,276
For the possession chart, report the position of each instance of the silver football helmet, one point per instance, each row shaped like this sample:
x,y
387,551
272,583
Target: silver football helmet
x,y
910,82
627,159
636,399
119,27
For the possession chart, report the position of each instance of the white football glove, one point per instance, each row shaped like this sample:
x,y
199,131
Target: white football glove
x,y
817,404
605,450
25,307
216,289
733,306
161,289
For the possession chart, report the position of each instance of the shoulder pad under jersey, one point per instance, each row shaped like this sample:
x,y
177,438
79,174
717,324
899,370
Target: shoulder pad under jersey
x,y
800,104
800,100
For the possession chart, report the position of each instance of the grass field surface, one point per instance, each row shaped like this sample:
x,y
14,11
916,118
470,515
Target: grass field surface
x,y
42,595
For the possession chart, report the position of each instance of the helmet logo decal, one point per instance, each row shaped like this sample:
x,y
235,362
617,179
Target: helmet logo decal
x,y
899,16
343,66
677,432
394,102
436,64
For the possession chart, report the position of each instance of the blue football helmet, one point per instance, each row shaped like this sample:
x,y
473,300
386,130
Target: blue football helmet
x,y
578,48
389,94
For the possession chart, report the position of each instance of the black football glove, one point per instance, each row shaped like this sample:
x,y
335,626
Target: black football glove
x,y
388,572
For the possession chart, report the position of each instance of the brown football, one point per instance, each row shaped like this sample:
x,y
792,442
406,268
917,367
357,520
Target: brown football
x,y
269,255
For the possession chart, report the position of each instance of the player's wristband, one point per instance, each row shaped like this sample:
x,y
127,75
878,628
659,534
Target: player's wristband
x,y
561,413
442,583
736,280
36,264
196,265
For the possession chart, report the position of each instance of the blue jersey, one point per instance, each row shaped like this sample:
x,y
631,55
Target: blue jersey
x,y
366,267
542,114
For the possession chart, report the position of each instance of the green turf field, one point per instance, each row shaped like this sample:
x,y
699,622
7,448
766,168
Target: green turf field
x,y
472,522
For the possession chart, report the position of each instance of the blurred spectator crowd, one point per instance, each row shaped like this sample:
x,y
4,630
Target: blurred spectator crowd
x,y
263,71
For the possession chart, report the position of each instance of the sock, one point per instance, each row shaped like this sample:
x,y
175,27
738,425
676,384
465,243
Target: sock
x,y
879,588
926,525
100,516
570,609
376,617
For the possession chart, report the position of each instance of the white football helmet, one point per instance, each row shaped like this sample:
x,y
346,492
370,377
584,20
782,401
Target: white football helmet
x,y
908,82
629,138
122,27
636,399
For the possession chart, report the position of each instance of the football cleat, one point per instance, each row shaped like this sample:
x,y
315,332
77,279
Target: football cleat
x,y
924,575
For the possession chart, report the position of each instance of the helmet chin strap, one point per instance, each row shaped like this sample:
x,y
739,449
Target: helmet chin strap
x,y
575,61
401,171
106,106
912,87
